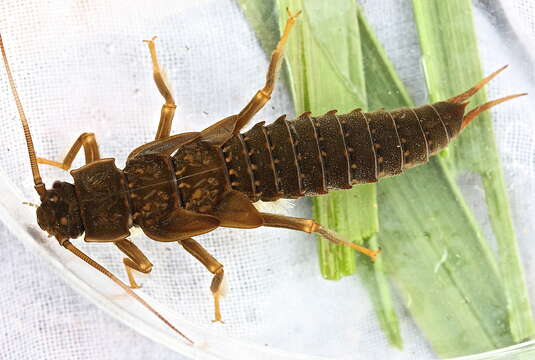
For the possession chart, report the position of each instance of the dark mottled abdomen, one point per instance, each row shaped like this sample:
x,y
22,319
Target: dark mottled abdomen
x,y
257,143
412,139
311,155
389,156
333,150
362,155
283,153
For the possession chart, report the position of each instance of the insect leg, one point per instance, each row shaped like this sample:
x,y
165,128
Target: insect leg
x,y
136,260
195,249
220,132
310,226
69,246
263,95
164,146
88,141
168,109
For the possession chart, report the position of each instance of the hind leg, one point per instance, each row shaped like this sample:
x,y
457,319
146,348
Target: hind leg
x,y
263,95
310,226
88,141
195,249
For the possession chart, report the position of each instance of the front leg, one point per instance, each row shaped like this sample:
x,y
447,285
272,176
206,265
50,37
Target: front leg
x,y
195,249
88,141
136,260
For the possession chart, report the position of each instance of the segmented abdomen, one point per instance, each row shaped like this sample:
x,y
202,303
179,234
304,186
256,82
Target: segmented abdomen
x,y
311,155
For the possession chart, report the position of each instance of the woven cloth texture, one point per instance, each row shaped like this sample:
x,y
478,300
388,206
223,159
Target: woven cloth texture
x,y
81,66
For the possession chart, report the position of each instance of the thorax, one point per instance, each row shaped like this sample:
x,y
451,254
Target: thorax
x,y
201,176
102,192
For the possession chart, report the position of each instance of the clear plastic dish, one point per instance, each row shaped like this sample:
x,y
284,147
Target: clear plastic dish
x,y
84,67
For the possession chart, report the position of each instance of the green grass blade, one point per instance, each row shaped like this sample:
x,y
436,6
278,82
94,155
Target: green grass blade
x,y
451,62
264,19
335,210
431,244
428,251
440,261
383,86
326,73
380,75
374,277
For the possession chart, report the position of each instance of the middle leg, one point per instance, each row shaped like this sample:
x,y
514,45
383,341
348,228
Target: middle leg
x,y
200,253
168,109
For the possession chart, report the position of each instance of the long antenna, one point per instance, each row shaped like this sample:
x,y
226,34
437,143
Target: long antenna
x,y
39,186
69,246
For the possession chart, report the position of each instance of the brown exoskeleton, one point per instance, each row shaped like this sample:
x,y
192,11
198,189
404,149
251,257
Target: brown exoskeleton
x,y
177,187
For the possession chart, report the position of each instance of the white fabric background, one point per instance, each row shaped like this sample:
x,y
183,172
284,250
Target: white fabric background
x,y
81,66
